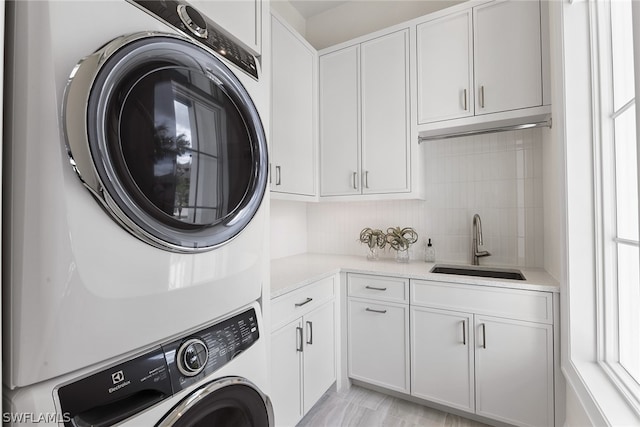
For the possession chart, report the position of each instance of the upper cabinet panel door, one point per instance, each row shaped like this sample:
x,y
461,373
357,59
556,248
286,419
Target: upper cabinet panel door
x,y
292,119
508,66
385,114
339,123
445,68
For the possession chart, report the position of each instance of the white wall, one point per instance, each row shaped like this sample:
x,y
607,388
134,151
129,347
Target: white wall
x,y
288,234
357,18
290,14
498,176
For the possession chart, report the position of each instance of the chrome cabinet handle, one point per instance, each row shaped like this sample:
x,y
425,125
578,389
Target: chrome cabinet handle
x,y
375,289
464,332
484,336
307,301
465,99
298,338
481,96
310,334
355,180
278,175
376,311
366,179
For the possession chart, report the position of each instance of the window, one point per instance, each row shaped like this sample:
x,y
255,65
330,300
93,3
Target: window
x,y
618,188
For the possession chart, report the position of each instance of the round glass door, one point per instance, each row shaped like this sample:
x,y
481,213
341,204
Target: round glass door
x,y
228,402
175,140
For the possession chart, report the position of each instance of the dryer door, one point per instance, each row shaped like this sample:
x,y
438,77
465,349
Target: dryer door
x,y
229,401
168,140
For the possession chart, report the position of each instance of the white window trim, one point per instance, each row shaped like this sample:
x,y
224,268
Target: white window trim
x,y
604,154
572,49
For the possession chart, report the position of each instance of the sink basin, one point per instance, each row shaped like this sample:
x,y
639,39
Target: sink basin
x,y
496,273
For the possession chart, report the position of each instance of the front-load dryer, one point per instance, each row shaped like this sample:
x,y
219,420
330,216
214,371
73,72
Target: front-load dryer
x,y
135,174
212,376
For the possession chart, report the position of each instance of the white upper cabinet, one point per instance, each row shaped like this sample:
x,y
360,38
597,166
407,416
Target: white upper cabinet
x,y
240,18
293,112
385,114
445,68
340,122
364,118
508,56
480,60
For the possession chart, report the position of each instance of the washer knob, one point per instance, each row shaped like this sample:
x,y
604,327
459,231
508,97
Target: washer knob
x,y
192,357
193,20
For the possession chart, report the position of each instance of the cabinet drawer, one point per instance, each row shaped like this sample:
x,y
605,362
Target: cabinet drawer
x,y
381,288
301,301
510,303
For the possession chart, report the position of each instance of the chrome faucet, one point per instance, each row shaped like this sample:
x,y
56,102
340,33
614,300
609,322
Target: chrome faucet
x,y
476,246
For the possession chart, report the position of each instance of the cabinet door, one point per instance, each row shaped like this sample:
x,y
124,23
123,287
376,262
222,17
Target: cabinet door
x,y
286,374
514,371
442,357
242,19
507,56
385,114
319,354
339,123
292,119
379,343
445,68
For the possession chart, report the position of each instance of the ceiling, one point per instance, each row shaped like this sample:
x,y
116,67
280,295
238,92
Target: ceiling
x,y
309,8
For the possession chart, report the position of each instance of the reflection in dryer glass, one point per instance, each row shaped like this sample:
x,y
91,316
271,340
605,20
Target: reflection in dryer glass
x,y
185,148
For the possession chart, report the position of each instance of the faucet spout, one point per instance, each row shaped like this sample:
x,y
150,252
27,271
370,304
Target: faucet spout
x,y
476,246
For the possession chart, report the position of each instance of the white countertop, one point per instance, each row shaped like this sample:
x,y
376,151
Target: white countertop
x,y
292,272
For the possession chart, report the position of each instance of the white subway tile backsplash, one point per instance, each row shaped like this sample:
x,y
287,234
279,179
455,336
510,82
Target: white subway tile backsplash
x,y
498,176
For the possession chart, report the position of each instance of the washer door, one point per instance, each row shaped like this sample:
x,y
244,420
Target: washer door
x,y
168,140
228,402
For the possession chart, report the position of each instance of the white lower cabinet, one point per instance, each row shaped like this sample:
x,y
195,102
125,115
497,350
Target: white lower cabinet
x,y
442,357
286,374
378,331
303,356
497,367
514,371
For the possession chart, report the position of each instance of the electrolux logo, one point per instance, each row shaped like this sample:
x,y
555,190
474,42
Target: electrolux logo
x,y
118,378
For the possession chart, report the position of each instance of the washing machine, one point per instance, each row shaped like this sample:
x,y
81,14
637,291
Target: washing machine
x,y
135,174
206,377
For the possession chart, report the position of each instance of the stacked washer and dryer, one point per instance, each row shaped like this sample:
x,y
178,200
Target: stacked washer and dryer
x,y
135,229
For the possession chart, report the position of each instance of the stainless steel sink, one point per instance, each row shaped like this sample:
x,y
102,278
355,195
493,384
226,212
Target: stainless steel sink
x,y
496,273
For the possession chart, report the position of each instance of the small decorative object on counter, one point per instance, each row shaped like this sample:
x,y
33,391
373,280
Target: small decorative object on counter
x,y
430,253
374,239
400,239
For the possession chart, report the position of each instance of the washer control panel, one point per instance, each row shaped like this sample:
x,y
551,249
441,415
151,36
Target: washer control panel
x,y
185,18
198,355
115,394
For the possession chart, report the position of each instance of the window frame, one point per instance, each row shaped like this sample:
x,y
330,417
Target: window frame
x,y
606,236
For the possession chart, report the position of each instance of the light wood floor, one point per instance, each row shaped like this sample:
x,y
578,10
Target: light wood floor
x,y
360,407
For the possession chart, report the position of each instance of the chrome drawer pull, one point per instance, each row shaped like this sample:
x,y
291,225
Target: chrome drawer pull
x,y
375,289
299,338
464,332
484,336
307,301
376,311
310,329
